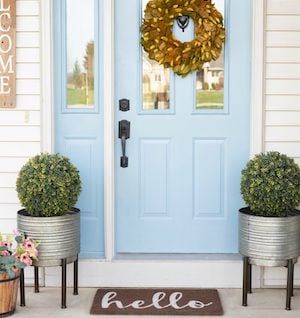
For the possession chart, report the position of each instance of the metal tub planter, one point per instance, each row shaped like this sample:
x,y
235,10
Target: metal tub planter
x,y
269,241
59,236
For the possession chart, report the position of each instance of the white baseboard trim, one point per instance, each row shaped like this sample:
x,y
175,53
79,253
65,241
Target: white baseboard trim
x,y
139,273
275,277
199,273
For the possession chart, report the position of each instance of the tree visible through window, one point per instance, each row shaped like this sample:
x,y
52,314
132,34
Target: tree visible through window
x,y
80,54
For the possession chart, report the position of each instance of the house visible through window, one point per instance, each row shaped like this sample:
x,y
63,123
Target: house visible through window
x,y
210,79
156,82
156,85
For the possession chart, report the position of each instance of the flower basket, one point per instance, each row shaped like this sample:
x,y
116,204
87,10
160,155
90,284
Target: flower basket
x,y
16,253
8,294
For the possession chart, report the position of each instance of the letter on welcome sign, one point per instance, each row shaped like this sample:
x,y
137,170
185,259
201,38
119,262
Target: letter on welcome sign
x,y
7,53
110,298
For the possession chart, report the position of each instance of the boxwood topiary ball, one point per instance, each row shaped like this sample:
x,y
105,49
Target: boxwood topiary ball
x,y
48,185
270,184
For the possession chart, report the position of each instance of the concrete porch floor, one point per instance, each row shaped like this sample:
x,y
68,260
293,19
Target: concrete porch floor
x,y
263,303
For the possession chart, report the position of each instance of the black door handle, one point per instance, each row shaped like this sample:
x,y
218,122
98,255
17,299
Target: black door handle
x,y
124,133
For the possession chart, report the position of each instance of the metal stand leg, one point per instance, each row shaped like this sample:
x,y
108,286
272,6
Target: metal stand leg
x,y
289,287
36,279
22,288
75,287
64,283
63,287
249,289
292,287
245,279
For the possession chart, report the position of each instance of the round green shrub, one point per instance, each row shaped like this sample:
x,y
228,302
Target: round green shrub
x,y
270,184
48,185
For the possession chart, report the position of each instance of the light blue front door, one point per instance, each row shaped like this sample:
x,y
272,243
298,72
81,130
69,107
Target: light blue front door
x,y
180,192
79,109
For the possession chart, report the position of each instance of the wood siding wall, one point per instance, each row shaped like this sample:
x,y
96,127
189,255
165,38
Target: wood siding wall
x,y
282,67
282,95
20,135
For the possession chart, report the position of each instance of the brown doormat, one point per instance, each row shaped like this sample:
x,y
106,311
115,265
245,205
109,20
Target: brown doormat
x,y
156,301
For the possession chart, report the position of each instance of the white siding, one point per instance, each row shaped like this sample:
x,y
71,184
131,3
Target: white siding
x,y
282,77
20,131
283,7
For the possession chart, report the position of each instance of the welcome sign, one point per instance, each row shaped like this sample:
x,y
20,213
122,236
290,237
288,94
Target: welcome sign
x,y
7,53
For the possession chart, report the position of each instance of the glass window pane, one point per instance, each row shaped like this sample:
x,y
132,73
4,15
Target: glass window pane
x,y
210,79
156,85
80,53
156,82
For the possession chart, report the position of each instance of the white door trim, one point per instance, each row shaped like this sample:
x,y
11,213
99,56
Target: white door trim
x,y
154,272
257,77
47,107
109,136
46,71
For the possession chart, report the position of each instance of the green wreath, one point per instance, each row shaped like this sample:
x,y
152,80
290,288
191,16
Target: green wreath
x,y
183,57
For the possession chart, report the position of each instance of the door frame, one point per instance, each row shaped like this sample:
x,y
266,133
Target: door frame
x,y
47,107
111,266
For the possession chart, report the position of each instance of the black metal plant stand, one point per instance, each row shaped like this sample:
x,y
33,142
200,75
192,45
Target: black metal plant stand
x,y
247,281
63,282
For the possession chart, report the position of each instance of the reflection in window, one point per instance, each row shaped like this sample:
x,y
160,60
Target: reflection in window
x,y
156,85
156,82
80,54
210,79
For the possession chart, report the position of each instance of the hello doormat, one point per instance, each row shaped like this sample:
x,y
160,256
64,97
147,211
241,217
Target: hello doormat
x,y
157,301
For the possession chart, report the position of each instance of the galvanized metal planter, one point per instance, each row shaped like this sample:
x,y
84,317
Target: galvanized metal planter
x,y
59,236
269,241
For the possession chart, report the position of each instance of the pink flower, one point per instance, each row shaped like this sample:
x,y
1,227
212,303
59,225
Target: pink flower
x,y
15,269
29,245
5,243
25,258
5,253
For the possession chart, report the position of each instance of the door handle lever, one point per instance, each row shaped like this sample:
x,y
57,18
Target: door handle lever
x,y
124,159
124,133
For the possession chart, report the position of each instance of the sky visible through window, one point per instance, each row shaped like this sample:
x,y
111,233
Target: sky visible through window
x,y
80,29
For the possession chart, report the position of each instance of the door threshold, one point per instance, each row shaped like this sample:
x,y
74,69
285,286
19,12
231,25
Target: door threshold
x,y
178,256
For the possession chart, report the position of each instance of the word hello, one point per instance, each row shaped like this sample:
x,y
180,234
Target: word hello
x,y
7,47
110,299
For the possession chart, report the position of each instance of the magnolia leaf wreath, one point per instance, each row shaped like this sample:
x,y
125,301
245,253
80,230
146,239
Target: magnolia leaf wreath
x,y
162,46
